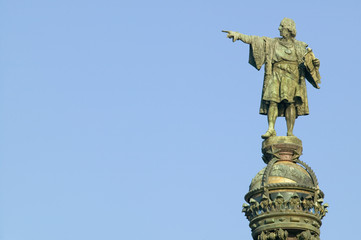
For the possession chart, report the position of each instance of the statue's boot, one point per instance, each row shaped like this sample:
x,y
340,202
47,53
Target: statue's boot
x,y
269,133
290,134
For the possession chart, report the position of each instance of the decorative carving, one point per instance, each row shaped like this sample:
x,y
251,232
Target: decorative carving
x,y
278,203
324,210
315,237
278,234
254,207
305,235
294,204
285,185
272,236
262,236
273,152
265,204
282,234
246,210
308,205
296,154
320,209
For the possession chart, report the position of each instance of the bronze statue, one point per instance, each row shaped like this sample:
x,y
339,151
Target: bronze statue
x,y
287,63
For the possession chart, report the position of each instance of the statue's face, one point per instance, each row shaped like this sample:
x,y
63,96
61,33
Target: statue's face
x,y
283,31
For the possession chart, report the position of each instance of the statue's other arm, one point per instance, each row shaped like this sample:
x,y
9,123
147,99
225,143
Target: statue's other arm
x,y
238,36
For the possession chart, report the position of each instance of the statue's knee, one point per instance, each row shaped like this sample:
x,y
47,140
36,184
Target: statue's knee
x,y
273,104
291,105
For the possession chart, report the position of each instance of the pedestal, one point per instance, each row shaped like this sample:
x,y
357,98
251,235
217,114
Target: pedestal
x,y
284,199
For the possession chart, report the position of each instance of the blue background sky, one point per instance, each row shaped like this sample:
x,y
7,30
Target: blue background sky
x,y
139,119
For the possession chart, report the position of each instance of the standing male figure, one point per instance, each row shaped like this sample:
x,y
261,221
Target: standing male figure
x,y
287,63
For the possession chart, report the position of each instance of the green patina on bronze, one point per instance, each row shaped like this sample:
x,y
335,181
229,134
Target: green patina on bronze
x,y
284,201
287,63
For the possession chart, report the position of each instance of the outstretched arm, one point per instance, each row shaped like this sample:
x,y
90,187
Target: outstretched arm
x,y
238,36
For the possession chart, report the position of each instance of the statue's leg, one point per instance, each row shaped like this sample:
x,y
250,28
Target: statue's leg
x,y
290,115
272,116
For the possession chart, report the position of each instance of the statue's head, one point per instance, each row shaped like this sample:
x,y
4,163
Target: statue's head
x,y
287,26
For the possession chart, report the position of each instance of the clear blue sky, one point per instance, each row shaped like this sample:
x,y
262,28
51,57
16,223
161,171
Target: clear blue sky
x,y
132,120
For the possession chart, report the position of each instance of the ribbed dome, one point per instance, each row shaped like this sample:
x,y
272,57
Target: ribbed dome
x,y
283,172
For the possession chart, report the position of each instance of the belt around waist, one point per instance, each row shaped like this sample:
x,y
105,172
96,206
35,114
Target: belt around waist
x,y
286,62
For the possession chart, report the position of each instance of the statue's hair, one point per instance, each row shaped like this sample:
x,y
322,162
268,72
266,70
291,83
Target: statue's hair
x,y
290,25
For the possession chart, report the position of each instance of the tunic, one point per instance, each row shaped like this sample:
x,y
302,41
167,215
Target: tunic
x,y
285,72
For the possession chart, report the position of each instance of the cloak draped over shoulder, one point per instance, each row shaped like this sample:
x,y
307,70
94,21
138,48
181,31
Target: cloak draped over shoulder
x,y
284,78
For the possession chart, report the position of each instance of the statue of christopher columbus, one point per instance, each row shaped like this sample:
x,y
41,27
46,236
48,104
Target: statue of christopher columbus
x,y
288,63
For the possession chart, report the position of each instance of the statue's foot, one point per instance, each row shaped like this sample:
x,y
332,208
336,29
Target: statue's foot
x,y
269,133
289,134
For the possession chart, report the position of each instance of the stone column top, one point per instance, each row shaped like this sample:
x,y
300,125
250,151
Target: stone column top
x,y
283,148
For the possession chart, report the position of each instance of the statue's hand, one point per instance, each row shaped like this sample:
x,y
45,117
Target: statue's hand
x,y
231,34
316,62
